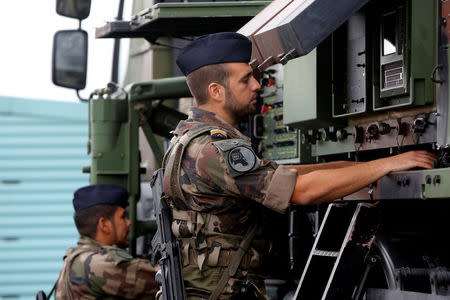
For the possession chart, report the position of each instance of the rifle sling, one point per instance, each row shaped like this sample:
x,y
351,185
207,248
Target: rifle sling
x,y
232,268
51,292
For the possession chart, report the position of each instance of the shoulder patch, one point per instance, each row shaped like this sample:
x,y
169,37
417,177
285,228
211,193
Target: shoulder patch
x,y
238,156
241,159
119,255
218,134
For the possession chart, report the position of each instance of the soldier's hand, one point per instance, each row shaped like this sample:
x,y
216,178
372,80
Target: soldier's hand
x,y
412,159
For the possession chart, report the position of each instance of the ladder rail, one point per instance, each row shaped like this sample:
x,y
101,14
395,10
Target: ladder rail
x,y
311,254
343,245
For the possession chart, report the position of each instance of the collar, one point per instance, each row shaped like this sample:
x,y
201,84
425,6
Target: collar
x,y
85,241
196,114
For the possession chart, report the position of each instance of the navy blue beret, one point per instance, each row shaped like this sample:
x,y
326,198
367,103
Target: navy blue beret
x,y
223,47
99,194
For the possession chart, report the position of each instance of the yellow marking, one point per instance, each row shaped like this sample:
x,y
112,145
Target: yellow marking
x,y
218,132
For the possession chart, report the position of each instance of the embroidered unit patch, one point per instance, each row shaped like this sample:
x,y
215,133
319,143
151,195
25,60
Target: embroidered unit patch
x,y
237,155
241,159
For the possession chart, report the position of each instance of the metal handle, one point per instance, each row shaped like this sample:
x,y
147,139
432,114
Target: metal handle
x,y
433,73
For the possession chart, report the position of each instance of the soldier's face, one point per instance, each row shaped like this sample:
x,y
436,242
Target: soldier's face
x,y
242,91
121,225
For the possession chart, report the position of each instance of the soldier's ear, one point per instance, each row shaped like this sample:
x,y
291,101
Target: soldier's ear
x,y
216,92
104,226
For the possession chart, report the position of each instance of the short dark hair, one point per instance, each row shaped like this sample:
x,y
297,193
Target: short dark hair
x,y
199,80
86,220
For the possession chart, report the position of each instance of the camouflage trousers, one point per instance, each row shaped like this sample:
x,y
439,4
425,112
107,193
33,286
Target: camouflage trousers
x,y
199,284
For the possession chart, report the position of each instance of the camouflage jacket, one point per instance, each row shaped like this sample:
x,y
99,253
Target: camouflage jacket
x,y
95,271
223,184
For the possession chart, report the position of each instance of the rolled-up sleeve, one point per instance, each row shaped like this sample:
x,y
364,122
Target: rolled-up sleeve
x,y
269,184
280,189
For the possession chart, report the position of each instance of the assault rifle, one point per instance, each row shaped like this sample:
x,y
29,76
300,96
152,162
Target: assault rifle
x,y
166,250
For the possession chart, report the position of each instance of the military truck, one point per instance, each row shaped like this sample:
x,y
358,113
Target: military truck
x,y
341,80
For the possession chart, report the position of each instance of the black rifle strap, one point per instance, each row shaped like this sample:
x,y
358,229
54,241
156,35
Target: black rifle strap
x,y
232,268
53,289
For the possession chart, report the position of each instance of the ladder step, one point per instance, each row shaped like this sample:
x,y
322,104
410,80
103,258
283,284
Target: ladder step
x,y
347,232
318,252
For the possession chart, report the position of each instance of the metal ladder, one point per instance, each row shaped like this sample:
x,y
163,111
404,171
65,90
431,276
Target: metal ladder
x,y
337,266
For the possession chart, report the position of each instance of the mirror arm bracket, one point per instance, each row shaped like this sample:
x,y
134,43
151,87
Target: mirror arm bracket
x,y
81,98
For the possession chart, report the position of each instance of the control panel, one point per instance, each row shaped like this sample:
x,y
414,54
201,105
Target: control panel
x,y
279,142
365,88
393,132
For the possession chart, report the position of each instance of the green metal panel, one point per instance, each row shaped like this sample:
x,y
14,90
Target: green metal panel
x,y
42,152
184,19
299,94
423,50
444,138
204,9
420,56
345,146
438,184
307,90
162,59
113,137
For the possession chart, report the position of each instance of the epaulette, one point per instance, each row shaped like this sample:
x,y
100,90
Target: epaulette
x,y
218,134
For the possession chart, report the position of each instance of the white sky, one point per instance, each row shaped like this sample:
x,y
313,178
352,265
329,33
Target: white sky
x,y
26,39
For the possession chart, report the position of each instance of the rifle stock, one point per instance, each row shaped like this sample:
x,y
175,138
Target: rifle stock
x,y
166,250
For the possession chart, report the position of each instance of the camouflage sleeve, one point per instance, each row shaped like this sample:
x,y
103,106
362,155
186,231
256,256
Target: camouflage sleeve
x,y
105,275
268,184
280,189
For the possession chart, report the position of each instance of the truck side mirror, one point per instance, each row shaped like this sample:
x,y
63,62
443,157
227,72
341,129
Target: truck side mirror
x,y
78,9
69,63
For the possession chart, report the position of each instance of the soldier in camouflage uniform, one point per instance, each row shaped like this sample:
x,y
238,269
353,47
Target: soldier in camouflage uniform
x,y
217,185
99,267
